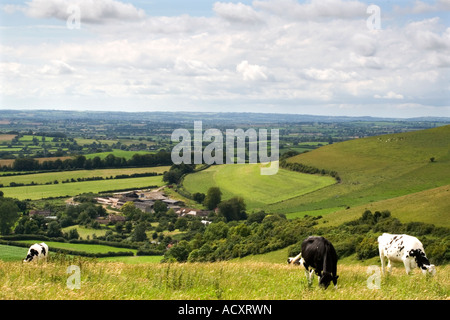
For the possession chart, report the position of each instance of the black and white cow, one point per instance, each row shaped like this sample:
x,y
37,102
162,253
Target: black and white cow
x,y
38,251
319,254
406,249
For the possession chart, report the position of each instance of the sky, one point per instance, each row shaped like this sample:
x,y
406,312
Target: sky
x,y
319,57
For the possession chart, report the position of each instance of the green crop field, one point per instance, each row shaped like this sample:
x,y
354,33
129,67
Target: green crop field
x,y
117,153
75,188
258,190
42,178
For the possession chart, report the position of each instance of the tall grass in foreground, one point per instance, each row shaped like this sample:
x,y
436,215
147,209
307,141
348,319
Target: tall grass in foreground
x,y
223,280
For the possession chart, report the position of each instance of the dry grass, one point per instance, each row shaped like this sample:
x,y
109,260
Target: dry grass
x,y
205,281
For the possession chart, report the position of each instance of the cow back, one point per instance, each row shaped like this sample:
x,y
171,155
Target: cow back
x,y
320,254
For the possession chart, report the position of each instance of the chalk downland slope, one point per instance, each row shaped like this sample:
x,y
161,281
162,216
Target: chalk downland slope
x,y
380,168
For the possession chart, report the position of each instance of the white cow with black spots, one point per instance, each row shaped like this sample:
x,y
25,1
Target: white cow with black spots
x,y
38,251
406,249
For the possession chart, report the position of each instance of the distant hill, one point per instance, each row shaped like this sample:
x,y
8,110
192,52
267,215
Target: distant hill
x,y
379,168
189,117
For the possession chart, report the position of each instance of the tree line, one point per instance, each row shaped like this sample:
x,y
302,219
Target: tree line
x,y
262,232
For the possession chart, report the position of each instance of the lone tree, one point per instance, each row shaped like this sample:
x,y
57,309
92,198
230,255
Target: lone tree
x,y
233,209
139,233
9,214
213,198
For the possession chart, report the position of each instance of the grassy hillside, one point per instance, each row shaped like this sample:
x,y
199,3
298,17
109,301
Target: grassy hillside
x,y
258,191
429,206
379,168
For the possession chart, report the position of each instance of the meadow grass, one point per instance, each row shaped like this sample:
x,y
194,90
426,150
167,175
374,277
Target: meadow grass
x,y
206,281
258,190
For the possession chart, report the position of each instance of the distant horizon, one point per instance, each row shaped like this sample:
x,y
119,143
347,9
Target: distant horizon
x,y
446,118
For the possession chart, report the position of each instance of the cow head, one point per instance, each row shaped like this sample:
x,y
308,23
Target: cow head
x,y
31,254
422,261
431,269
326,279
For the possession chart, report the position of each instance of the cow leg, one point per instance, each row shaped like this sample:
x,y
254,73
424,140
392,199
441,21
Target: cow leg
x,y
407,264
382,262
389,266
309,276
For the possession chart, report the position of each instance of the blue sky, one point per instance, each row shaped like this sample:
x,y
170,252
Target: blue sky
x,y
308,57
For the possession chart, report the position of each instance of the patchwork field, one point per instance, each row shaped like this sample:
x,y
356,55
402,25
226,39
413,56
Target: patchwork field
x,y
75,188
258,190
42,178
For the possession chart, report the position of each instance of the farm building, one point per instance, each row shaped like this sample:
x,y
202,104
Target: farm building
x,y
42,213
112,218
144,206
143,200
192,212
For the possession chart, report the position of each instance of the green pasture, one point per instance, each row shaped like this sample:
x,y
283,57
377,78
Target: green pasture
x,y
42,178
258,190
29,138
75,188
84,232
89,248
117,153
12,253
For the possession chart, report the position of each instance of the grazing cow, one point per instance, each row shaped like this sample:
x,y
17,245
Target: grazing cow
x,y
319,254
406,249
37,251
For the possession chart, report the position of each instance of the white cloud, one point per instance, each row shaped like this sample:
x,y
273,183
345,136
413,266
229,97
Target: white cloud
x,y
316,56
237,12
422,7
389,95
314,9
251,72
57,67
91,11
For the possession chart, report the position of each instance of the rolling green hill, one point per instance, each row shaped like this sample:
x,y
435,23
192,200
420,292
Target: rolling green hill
x,y
258,190
379,168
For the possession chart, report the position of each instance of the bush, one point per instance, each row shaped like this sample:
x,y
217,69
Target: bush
x,y
367,249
